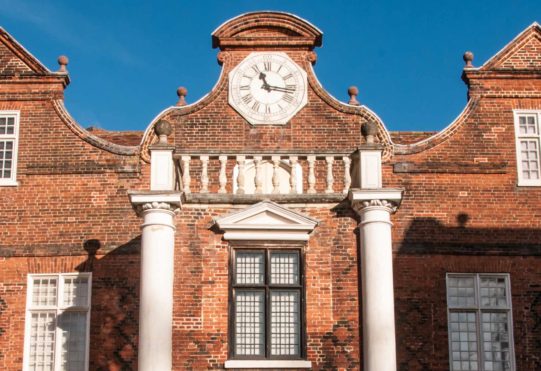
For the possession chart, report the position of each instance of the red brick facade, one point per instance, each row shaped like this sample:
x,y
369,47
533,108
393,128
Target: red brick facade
x,y
462,210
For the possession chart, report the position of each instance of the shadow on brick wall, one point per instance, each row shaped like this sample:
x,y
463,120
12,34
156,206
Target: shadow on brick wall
x,y
430,250
115,304
429,235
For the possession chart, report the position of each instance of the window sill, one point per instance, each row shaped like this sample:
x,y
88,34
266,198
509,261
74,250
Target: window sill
x,y
529,184
268,364
8,183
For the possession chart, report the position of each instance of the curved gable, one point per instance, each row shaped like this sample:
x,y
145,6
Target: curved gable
x,y
266,29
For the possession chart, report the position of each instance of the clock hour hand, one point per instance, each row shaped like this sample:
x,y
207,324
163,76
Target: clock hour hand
x,y
263,78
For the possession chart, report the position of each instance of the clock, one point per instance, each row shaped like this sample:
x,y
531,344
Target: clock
x,y
267,88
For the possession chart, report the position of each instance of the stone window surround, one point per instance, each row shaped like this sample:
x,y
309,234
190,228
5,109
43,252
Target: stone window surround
x,y
516,115
246,226
59,308
12,181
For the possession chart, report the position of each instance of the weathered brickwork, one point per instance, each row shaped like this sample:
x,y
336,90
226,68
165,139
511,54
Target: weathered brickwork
x,y
462,210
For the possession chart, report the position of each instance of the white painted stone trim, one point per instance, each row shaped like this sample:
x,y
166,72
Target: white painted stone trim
x,y
389,194
275,364
266,221
265,236
138,198
370,171
161,170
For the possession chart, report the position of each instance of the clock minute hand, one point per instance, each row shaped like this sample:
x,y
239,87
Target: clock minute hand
x,y
278,88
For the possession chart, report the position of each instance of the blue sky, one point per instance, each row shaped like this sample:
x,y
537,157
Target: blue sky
x,y
128,57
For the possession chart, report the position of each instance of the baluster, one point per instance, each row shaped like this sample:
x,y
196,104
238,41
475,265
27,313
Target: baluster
x,y
240,176
186,179
204,174
347,174
258,179
275,175
311,174
222,178
330,178
293,174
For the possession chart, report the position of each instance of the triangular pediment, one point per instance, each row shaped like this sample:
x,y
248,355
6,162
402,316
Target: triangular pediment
x,y
522,53
16,60
266,221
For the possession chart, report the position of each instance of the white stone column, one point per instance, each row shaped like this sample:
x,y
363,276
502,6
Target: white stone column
x,y
157,271
375,208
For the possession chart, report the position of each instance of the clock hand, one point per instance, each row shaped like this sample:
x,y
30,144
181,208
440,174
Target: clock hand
x,y
280,89
263,78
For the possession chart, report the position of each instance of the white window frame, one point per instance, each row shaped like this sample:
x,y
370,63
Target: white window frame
x,y
59,310
15,137
478,310
516,115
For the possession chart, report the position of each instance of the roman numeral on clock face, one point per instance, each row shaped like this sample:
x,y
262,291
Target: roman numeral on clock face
x,y
255,106
247,98
267,66
245,87
288,98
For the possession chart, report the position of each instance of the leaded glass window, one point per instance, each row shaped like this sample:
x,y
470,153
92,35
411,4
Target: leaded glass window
x,y
266,312
479,318
58,313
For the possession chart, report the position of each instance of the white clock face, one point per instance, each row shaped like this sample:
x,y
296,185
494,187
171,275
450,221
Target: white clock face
x,y
267,88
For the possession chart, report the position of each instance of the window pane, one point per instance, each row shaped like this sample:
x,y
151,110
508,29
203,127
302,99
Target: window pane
x,y
75,291
44,291
42,333
250,322
496,342
463,332
3,125
493,292
73,329
284,268
285,323
527,125
250,268
6,154
461,291
529,154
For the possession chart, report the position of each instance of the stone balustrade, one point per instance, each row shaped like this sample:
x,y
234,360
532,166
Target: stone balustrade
x,y
264,173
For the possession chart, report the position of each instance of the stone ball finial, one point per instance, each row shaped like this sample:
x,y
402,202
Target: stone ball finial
x,y
369,130
353,91
63,62
182,92
468,59
163,129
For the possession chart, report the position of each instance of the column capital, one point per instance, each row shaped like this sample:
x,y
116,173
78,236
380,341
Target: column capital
x,y
152,200
359,206
387,198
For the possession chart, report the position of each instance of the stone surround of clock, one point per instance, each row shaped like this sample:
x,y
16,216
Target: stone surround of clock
x,y
267,88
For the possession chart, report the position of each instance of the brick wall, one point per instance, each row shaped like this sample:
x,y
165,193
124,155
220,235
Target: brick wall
x,y
462,212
